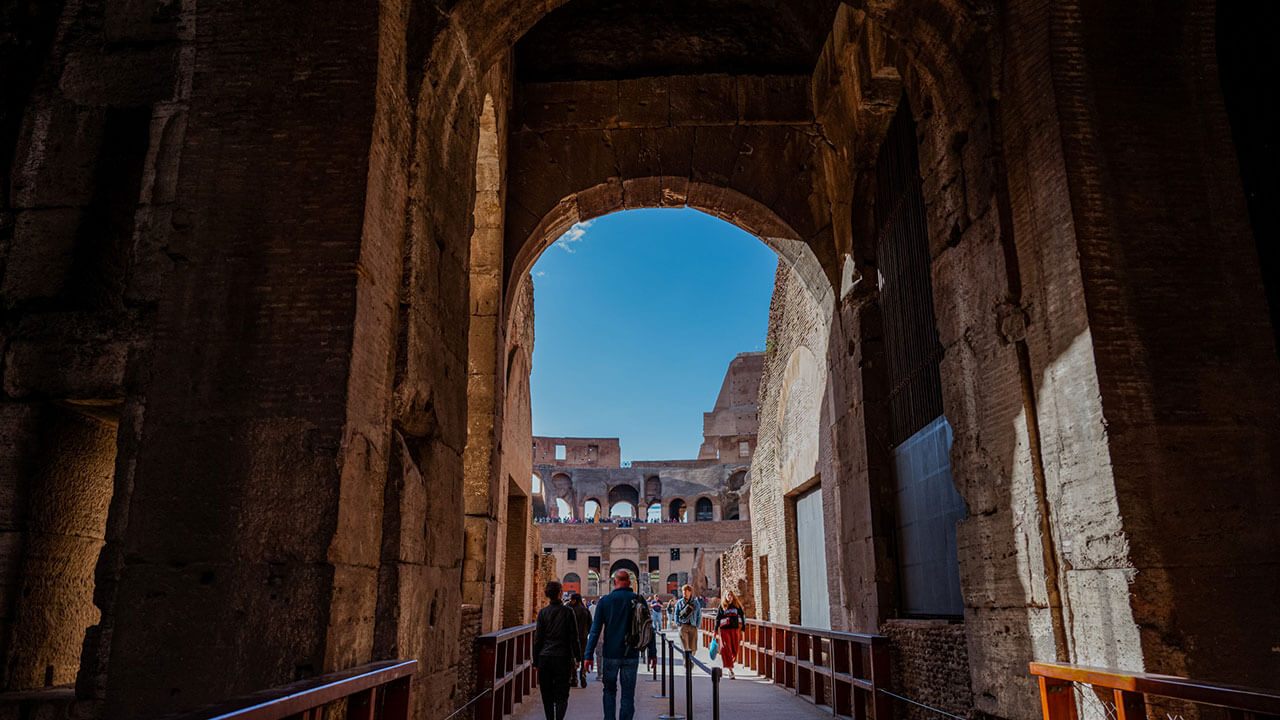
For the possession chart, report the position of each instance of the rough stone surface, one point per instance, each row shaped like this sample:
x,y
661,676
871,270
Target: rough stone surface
x,y
274,241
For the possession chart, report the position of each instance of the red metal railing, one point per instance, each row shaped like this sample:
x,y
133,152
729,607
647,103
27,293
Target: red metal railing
x,y
505,672
843,671
1065,689
376,691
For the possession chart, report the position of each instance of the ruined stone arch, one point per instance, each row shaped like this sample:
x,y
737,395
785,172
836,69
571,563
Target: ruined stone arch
x,y
652,489
624,493
592,513
703,509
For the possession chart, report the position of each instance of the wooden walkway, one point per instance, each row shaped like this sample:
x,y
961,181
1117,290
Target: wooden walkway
x,y
749,696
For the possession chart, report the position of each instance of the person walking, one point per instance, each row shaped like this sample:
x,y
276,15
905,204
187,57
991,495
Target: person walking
x,y
688,615
556,651
730,619
582,616
621,661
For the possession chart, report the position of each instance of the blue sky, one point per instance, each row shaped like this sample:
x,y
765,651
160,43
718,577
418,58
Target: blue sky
x,y
636,317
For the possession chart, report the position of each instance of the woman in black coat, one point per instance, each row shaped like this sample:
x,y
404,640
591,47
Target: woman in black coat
x,y
583,616
557,652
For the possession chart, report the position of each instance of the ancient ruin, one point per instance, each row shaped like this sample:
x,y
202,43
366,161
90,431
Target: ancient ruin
x,y
667,521
267,332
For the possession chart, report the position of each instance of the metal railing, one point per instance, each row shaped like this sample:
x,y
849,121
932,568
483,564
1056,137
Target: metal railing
x,y
505,672
376,691
1069,692
666,661
846,672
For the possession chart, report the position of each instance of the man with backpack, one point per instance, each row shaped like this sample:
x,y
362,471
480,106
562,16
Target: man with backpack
x,y
627,623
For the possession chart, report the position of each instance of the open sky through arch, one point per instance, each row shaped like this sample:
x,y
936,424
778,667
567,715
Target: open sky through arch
x,y
636,317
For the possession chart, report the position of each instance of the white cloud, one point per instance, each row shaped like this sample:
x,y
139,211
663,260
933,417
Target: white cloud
x,y
573,235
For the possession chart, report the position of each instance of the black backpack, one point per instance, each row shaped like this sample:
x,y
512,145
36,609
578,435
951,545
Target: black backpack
x,y
639,624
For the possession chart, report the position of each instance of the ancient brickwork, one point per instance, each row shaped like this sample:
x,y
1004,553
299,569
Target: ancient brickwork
x,y
470,622
737,573
729,430
255,310
636,544
792,455
930,662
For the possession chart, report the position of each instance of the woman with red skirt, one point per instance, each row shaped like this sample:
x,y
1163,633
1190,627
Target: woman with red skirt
x,y
730,619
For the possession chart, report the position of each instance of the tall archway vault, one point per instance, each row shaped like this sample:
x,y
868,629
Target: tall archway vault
x,y
247,228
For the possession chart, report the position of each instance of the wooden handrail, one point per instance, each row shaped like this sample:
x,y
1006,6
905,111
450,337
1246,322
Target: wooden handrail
x,y
505,671
1130,687
848,669
385,684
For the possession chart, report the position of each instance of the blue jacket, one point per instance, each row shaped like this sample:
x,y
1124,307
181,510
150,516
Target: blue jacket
x,y
698,606
612,616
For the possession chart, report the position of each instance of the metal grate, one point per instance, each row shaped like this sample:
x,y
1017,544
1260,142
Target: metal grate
x,y
912,350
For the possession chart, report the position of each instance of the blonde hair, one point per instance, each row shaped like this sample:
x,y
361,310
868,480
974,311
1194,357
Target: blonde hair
x,y
687,587
726,603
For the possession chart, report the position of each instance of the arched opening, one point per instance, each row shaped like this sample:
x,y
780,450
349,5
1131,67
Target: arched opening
x,y
591,510
703,511
654,513
673,584
631,568
593,584
563,511
536,484
678,511
572,583
623,493
622,509
653,489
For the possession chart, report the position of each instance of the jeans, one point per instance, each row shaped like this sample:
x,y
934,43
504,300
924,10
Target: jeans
x,y
626,671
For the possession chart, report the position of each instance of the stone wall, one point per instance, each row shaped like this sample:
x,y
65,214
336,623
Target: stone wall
x,y
792,454
706,541
737,574
470,620
929,660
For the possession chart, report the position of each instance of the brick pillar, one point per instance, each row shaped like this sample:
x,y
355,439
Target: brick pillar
x,y
247,543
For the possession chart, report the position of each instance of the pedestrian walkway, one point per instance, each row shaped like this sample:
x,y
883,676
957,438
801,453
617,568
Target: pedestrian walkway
x,y
748,696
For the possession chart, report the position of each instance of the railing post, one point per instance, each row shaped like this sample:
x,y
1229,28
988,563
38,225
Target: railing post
x,y
1057,700
715,692
486,669
1130,705
662,660
362,705
688,685
671,696
882,705
395,703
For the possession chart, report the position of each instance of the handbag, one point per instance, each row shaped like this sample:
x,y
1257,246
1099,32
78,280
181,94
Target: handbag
x,y
715,647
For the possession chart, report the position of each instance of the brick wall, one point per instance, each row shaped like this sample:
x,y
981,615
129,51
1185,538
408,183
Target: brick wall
x,y
737,574
470,627
930,665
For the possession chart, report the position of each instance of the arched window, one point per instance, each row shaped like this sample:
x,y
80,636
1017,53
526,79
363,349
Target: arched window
x,y
572,583
563,510
653,488
673,584
623,493
622,509
702,510
654,514
593,583
679,511
591,510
